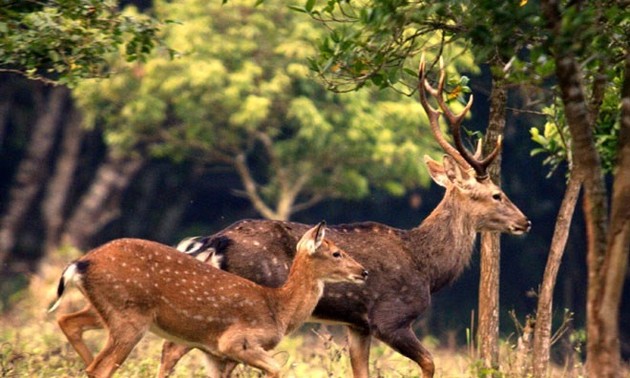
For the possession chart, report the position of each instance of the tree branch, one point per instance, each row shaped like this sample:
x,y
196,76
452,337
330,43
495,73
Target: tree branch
x,y
240,164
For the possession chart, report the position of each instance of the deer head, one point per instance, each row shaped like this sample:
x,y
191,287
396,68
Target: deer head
x,y
466,173
328,262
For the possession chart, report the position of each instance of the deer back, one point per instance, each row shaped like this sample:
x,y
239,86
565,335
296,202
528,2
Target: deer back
x,y
186,299
379,248
177,291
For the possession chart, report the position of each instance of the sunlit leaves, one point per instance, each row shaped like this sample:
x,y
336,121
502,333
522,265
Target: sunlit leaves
x,y
553,140
240,84
253,111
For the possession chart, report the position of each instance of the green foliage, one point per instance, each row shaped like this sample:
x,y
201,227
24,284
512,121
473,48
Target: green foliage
x,y
64,41
553,139
608,125
377,42
239,85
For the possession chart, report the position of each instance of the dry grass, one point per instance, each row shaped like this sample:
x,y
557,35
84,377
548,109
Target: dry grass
x,y
35,347
31,345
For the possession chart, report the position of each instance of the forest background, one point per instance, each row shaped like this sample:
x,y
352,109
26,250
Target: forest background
x,y
230,115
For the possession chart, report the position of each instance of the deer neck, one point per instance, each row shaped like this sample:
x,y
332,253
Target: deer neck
x,y
297,298
444,241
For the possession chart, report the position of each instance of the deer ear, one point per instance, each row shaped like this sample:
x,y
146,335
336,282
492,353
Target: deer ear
x,y
320,232
436,171
456,174
312,238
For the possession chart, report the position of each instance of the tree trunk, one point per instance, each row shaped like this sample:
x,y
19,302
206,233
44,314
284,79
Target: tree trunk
x,y
149,192
542,330
174,212
488,329
59,188
251,188
615,265
6,100
32,172
101,203
601,360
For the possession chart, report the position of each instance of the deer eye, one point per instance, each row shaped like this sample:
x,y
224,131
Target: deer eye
x,y
496,196
336,254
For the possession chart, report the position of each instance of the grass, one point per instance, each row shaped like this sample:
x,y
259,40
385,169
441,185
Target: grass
x,y
37,348
32,345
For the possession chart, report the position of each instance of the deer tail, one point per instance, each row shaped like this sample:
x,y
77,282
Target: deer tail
x,y
68,275
207,249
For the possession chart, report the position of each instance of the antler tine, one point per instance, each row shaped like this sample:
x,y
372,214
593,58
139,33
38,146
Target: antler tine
x,y
463,156
478,151
490,158
434,114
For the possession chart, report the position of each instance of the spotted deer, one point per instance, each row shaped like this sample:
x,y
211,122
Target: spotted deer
x,y
406,266
135,286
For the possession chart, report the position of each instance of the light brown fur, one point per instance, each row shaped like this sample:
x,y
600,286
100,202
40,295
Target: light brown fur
x,y
137,286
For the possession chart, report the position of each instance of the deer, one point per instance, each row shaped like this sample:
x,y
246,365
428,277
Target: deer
x,y
135,286
406,266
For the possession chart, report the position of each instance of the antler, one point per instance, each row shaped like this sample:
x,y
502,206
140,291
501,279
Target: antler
x,y
459,152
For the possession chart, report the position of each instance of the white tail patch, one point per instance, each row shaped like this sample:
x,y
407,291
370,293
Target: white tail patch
x,y
190,245
195,245
210,257
66,277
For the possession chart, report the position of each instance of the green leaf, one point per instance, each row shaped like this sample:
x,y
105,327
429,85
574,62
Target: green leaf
x,y
309,5
298,8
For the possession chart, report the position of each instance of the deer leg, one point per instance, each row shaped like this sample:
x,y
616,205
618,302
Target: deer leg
x,y
219,368
171,354
359,345
405,342
235,346
125,331
227,368
73,325
258,358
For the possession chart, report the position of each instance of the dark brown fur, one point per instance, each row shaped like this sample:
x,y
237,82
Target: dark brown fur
x,y
406,266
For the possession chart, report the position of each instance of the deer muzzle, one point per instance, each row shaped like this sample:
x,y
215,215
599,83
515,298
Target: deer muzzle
x,y
359,278
521,227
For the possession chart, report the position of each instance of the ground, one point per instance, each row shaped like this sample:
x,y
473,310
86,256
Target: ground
x,y
32,345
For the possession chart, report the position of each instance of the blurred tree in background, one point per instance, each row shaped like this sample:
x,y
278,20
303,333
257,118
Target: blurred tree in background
x,y
64,41
238,93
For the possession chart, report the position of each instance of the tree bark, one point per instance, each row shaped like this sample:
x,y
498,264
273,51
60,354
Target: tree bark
x,y
488,329
601,360
251,188
542,330
6,100
59,187
101,203
32,172
148,193
615,265
174,212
